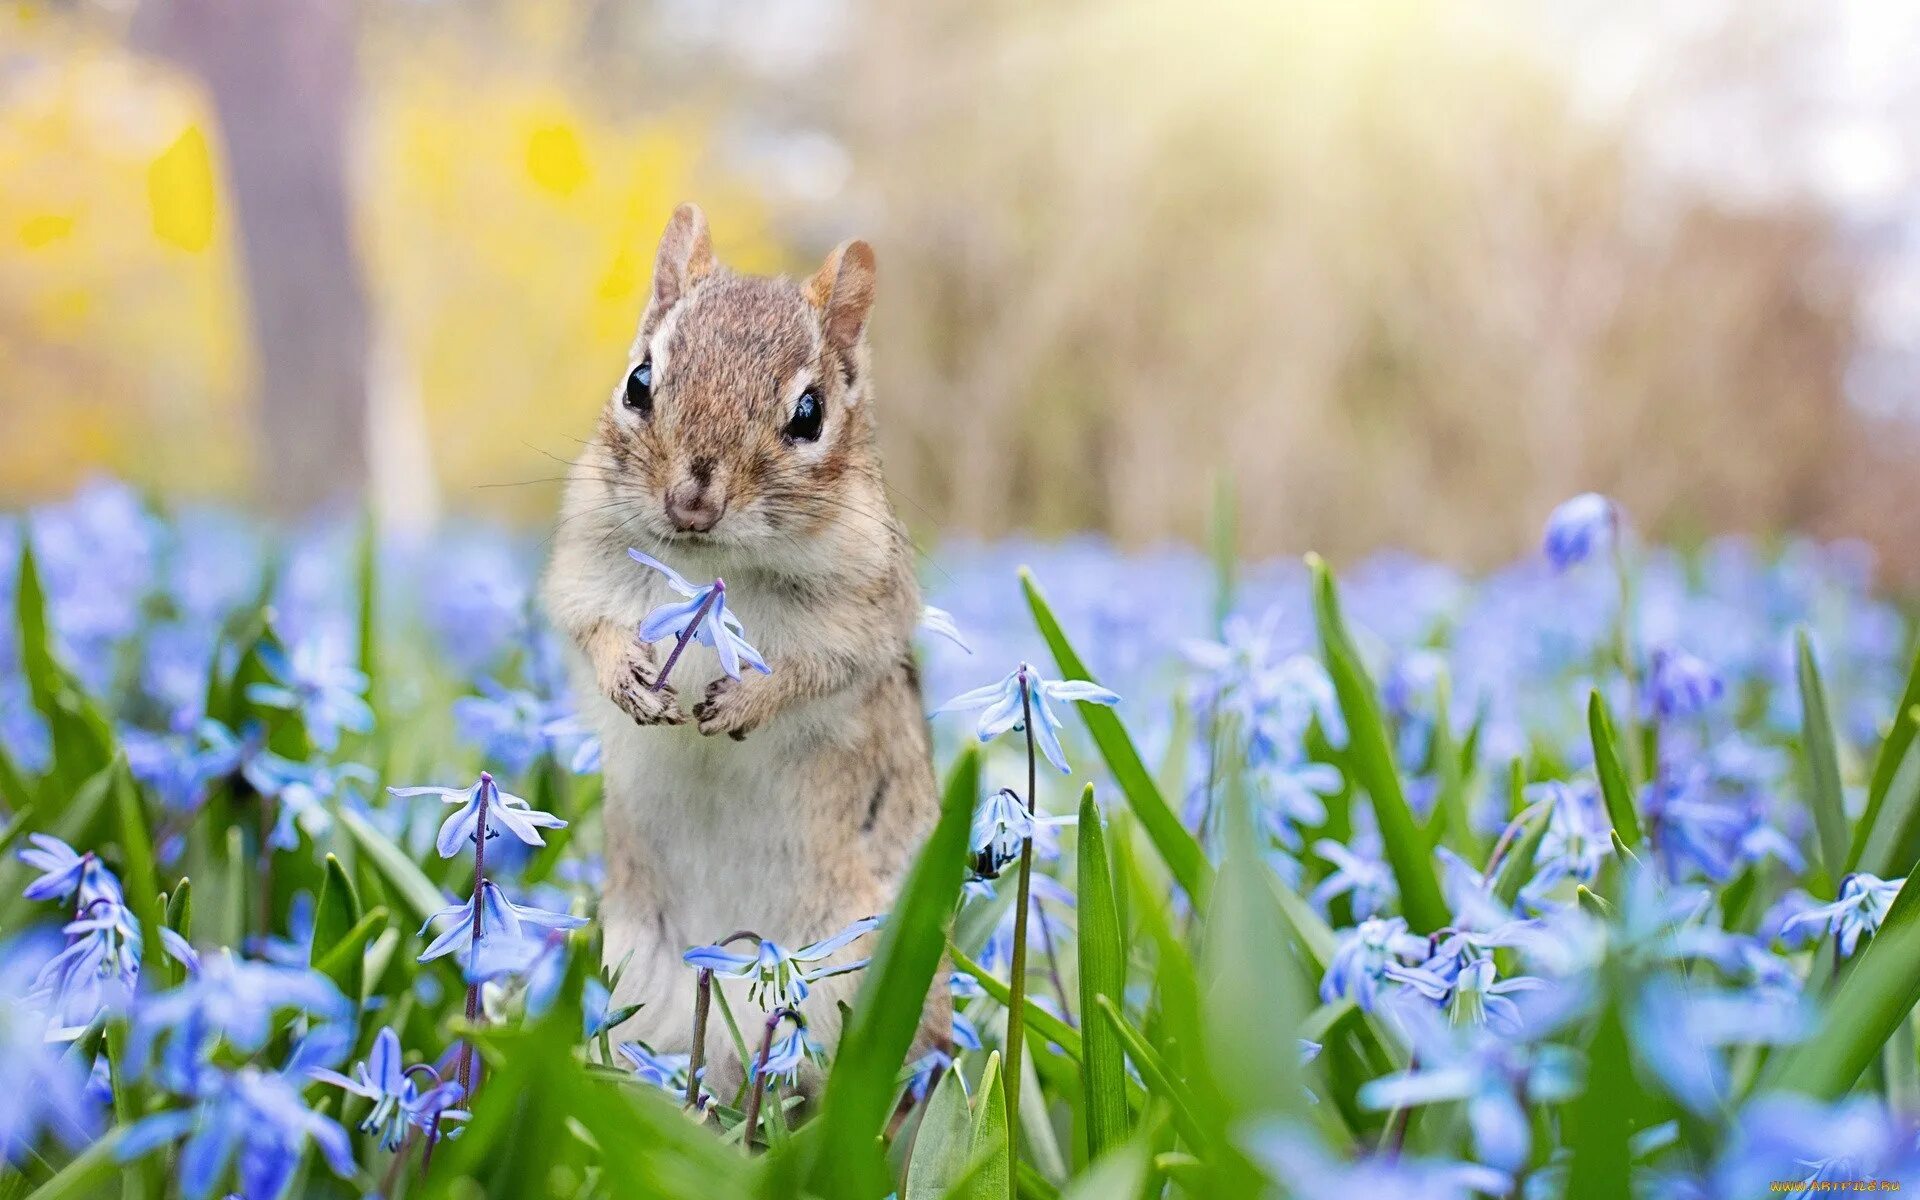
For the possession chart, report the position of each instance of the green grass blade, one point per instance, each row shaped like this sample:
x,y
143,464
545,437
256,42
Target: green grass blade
x,y
1598,1126
1875,994
180,908
860,1087
1517,867
1370,758
367,599
1176,845
87,1173
1886,762
1893,847
1121,1177
1615,788
1103,975
136,848
1159,1080
1823,761
942,1148
394,865
82,739
335,915
991,1174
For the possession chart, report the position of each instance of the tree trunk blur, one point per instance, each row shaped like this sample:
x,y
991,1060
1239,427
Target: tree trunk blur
x,y
282,78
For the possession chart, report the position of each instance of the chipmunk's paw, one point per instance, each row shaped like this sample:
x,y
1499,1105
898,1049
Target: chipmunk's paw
x,y
632,689
729,708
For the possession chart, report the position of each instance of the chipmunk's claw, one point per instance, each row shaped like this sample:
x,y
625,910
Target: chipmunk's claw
x,y
634,693
727,709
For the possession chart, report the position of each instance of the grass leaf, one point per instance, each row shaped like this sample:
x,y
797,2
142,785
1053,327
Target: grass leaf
x,y
336,914
1159,1080
1103,975
1599,1123
1876,992
941,1150
991,1173
1370,758
1615,788
1176,845
1823,761
1886,762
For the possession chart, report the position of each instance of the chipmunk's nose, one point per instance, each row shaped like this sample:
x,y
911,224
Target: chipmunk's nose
x,y
693,504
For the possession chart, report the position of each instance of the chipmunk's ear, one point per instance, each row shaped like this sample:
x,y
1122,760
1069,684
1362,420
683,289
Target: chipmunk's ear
x,y
842,289
685,257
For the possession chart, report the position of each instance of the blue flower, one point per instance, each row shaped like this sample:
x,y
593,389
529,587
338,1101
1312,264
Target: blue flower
x,y
511,726
1292,1153
250,1122
1680,1032
1785,1138
180,766
1692,830
504,939
667,1072
64,871
570,730
1863,904
326,693
43,1089
1469,987
781,977
398,1105
1367,881
1004,705
1001,825
100,965
519,818
786,1055
1680,685
1294,794
1490,1075
719,629
940,621
302,793
1361,958
234,1001
1578,840
1581,527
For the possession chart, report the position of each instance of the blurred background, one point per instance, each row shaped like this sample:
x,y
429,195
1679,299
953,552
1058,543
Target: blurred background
x,y
1398,274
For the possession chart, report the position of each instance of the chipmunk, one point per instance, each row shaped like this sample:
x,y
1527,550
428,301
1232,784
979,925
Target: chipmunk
x,y
739,444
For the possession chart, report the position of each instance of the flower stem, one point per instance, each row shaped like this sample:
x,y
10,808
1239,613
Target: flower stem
x,y
702,1002
754,1098
1017,983
467,1065
714,593
473,949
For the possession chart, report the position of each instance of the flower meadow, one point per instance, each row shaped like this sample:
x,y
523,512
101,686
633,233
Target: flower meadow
x,y
1584,878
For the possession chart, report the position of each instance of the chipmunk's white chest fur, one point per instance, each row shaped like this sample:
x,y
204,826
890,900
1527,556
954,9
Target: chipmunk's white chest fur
x,y
708,835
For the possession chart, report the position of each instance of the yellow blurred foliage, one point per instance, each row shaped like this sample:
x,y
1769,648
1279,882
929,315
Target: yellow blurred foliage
x,y
116,345
506,236
181,188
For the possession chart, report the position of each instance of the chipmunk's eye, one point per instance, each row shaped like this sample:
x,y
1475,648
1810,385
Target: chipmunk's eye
x,y
640,388
808,413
